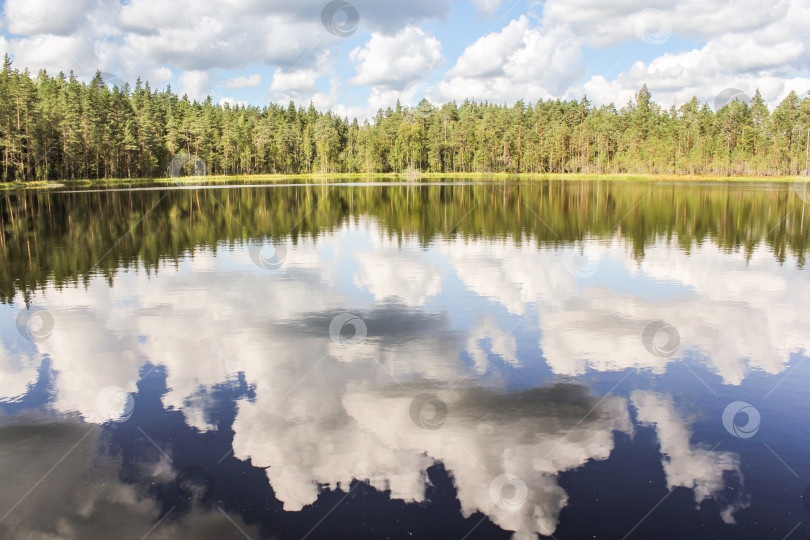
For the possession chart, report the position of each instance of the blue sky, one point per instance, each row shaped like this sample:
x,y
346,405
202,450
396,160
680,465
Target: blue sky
x,y
367,54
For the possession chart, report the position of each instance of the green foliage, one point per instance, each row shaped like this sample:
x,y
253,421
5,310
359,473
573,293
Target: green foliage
x,y
56,128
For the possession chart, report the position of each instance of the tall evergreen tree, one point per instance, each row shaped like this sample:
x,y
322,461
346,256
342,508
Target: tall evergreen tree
x,y
54,128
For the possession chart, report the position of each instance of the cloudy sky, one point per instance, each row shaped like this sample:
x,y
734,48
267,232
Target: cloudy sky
x,y
356,57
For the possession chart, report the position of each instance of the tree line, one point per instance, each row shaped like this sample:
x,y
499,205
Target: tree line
x,y
59,128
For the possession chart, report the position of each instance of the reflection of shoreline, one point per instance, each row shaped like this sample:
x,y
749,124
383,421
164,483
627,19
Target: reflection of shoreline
x,y
73,231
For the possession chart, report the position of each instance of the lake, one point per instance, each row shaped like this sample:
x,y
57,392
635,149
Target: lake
x,y
456,359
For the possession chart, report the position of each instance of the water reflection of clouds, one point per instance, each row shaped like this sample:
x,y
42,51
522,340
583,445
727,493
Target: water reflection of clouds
x,y
326,414
743,315
488,433
695,467
398,271
502,344
19,367
83,497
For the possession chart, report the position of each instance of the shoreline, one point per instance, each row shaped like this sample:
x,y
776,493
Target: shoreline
x,y
322,178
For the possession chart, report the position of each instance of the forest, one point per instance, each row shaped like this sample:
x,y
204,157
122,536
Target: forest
x,y
59,128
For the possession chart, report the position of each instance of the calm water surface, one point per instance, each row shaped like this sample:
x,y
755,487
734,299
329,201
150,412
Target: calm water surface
x,y
576,359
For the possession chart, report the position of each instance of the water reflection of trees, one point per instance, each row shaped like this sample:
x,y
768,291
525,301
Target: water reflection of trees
x,y
65,237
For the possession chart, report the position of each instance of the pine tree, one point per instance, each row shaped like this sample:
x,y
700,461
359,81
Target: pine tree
x,y
60,128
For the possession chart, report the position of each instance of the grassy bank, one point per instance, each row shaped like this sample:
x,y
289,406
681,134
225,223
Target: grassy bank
x,y
388,177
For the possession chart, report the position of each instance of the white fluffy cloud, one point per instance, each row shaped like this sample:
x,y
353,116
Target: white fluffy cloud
x,y
30,17
54,53
487,7
395,61
244,82
485,57
607,23
758,59
195,83
294,82
160,75
518,62
299,83
749,45
742,45
133,38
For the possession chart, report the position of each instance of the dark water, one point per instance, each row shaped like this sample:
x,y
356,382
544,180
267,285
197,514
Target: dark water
x,y
588,360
